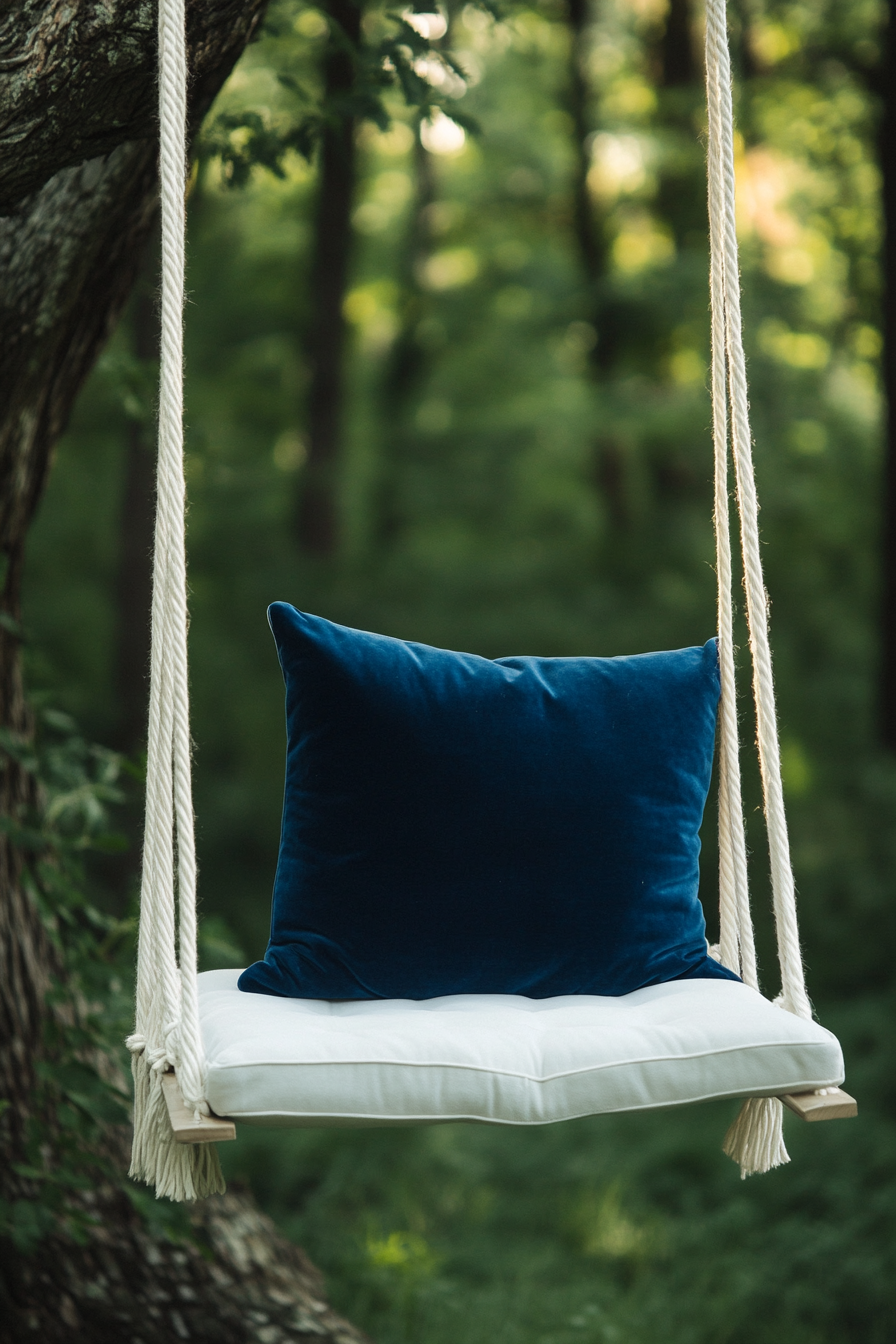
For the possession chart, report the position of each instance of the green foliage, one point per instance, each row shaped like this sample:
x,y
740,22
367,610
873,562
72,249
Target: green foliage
x,y
78,1092
527,467
83,1079
626,1228
389,58
80,1086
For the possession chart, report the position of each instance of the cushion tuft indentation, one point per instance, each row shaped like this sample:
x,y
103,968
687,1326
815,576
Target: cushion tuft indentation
x,y
501,1059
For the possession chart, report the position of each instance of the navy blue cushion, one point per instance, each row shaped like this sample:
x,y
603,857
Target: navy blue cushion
x,y
454,824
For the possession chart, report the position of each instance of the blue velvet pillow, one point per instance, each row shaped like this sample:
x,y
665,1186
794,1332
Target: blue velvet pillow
x,y
459,825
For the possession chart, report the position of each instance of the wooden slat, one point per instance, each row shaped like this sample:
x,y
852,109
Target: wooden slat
x,y
834,1105
187,1129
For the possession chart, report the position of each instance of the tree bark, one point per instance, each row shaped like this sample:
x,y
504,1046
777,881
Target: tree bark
x,y
71,241
78,195
67,258
318,520
133,580
237,1282
78,81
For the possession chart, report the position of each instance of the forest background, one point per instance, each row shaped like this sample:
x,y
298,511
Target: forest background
x,y
522,463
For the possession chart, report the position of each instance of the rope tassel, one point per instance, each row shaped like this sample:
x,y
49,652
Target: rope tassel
x,y
756,1138
178,1171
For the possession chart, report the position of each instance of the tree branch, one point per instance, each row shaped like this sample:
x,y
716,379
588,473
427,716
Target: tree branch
x,y
69,253
77,81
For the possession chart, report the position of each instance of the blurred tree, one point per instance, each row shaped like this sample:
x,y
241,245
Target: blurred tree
x,y
590,229
592,238
365,53
133,580
352,79
678,67
406,361
887,152
406,354
77,212
681,189
318,528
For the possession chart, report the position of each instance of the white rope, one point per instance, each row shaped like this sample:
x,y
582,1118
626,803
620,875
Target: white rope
x,y
167,1033
736,947
755,1139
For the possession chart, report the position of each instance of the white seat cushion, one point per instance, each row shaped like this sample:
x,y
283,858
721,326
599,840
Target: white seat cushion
x,y
500,1058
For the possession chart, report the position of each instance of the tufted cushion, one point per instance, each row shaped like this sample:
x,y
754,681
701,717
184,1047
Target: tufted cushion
x,y
457,825
500,1058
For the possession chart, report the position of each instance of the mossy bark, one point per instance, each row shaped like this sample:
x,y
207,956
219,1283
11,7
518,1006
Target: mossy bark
x,y
235,1280
77,202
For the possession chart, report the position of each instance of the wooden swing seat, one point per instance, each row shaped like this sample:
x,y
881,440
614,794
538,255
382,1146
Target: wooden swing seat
x,y
834,1104
499,1059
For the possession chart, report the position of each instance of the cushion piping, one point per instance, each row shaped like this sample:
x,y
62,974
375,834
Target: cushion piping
x,y
579,1115
504,1073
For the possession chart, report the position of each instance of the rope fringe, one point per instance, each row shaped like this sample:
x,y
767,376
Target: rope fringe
x,y
178,1171
756,1140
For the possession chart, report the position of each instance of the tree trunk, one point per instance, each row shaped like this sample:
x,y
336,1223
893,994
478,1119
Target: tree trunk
x,y
609,474
407,361
235,1281
406,357
887,145
678,67
133,580
589,229
71,240
67,259
78,196
318,521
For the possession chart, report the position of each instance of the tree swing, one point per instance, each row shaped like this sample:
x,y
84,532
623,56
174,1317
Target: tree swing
x,y
202,1050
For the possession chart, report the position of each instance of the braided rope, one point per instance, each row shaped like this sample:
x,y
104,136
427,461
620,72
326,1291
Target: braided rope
x,y
755,1139
722,183
167,1032
736,946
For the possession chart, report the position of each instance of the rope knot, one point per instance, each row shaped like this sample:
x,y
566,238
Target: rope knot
x,y
160,1061
159,1058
